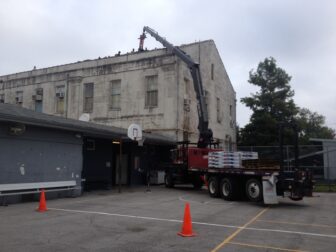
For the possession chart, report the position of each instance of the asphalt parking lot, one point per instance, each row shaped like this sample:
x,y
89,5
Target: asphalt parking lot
x,y
136,220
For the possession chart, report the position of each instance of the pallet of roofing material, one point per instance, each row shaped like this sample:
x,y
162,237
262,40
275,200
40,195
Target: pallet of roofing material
x,y
224,154
232,164
223,159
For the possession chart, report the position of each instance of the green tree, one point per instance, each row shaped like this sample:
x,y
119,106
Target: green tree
x,y
311,125
271,105
274,104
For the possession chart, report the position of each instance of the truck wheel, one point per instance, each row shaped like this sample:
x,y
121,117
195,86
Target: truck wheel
x,y
254,190
213,187
296,196
227,188
197,182
168,179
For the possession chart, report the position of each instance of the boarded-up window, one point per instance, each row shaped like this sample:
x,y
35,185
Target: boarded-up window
x,y
88,97
115,94
151,91
60,94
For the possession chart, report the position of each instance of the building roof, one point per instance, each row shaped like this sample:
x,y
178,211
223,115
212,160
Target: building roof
x,y
118,58
13,113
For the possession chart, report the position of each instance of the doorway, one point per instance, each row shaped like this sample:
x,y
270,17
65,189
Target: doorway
x,y
98,170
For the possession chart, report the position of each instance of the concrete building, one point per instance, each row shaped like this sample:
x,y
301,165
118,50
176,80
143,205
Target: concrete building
x,y
151,88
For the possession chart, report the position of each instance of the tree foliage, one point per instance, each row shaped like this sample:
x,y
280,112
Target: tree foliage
x,y
273,104
311,125
270,106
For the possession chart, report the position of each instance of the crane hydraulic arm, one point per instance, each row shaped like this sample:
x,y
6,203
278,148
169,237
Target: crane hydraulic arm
x,y
205,134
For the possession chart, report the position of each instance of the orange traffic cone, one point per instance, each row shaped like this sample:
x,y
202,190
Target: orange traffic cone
x,y
187,225
43,204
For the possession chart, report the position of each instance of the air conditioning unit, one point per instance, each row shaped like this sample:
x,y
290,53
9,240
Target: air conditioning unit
x,y
37,97
60,95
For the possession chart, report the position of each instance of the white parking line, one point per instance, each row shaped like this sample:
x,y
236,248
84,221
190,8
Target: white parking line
x,y
196,223
211,202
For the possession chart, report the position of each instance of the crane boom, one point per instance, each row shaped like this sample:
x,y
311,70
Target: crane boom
x,y
205,137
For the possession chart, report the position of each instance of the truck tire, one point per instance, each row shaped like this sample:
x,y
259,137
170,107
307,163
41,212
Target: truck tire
x,y
296,195
227,189
254,190
168,179
213,187
296,198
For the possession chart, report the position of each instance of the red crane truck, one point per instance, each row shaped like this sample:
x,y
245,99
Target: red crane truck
x,y
235,178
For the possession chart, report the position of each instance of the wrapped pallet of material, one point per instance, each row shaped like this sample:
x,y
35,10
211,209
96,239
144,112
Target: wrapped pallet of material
x,y
224,159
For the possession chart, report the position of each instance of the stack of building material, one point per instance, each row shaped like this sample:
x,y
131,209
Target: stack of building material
x,y
224,159
227,159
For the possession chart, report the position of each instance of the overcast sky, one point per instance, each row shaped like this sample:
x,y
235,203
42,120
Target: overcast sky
x,y
300,35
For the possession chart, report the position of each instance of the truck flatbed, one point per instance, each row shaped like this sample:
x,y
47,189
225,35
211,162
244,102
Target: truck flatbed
x,y
239,171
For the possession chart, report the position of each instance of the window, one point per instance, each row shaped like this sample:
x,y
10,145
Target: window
x,y
231,110
19,98
38,106
88,97
38,98
60,93
2,98
185,136
151,91
212,71
115,94
218,109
